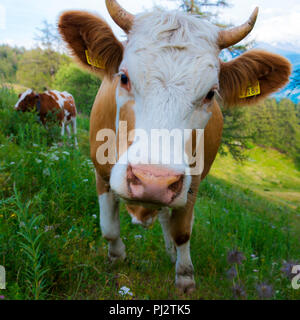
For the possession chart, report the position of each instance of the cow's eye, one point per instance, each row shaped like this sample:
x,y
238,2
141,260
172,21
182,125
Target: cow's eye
x,y
210,95
125,81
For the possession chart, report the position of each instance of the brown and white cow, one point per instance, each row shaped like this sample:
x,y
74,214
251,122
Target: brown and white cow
x,y
62,104
165,76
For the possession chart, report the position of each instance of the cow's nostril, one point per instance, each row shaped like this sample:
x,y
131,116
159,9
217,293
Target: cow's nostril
x,y
176,186
132,178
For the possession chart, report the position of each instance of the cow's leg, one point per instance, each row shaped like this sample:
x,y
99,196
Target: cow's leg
x,y
164,219
67,126
62,128
181,223
110,222
74,127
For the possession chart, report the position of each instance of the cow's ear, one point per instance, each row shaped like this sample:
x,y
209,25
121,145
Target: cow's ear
x,y
261,72
91,41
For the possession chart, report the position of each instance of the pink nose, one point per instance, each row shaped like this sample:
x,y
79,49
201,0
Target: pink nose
x,y
153,183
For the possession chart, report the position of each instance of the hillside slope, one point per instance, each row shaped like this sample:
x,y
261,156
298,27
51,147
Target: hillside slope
x,y
51,244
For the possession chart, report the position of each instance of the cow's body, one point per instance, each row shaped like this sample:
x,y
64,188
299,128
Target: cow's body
x,y
164,77
61,104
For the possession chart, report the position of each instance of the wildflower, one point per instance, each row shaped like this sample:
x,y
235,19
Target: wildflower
x,y
124,291
239,291
12,163
2,297
288,267
35,145
235,256
94,216
48,228
138,236
66,153
54,157
85,180
231,273
264,291
38,161
255,270
46,172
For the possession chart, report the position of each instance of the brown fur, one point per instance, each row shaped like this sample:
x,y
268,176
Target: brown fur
x,y
84,31
271,70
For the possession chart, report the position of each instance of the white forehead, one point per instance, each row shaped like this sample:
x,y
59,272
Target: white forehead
x,y
23,96
173,50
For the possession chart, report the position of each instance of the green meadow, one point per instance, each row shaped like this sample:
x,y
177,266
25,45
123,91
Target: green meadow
x,y
51,244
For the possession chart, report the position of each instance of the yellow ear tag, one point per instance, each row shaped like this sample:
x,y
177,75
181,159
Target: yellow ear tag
x,y
96,64
252,90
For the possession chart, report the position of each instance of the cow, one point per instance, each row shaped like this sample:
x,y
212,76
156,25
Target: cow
x,y
166,75
61,104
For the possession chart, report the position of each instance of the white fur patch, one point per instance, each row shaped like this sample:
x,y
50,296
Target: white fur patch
x,y
171,71
22,97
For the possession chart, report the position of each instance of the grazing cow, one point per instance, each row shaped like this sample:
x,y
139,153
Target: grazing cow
x,y
60,103
167,76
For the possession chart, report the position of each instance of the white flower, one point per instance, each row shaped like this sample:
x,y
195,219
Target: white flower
x,y
138,236
66,152
47,228
85,180
46,172
54,157
35,145
94,216
12,163
38,161
124,290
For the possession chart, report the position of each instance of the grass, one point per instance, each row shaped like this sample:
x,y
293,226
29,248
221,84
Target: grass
x,y
51,244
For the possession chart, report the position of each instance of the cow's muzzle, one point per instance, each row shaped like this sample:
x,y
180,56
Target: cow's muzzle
x,y
153,183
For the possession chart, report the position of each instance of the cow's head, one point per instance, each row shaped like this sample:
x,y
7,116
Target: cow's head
x,y
27,101
169,74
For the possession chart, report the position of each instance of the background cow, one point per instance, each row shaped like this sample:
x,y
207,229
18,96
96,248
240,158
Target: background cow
x,y
62,104
165,76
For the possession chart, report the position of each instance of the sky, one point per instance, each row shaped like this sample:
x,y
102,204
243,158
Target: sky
x,y
278,20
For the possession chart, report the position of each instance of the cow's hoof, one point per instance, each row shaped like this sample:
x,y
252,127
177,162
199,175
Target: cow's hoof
x,y
116,251
113,258
185,284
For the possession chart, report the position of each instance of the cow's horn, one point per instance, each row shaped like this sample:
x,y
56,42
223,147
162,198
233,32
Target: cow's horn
x,y
232,36
121,17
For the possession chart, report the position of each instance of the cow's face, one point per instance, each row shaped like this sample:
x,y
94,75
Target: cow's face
x,y
169,79
168,74
27,101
